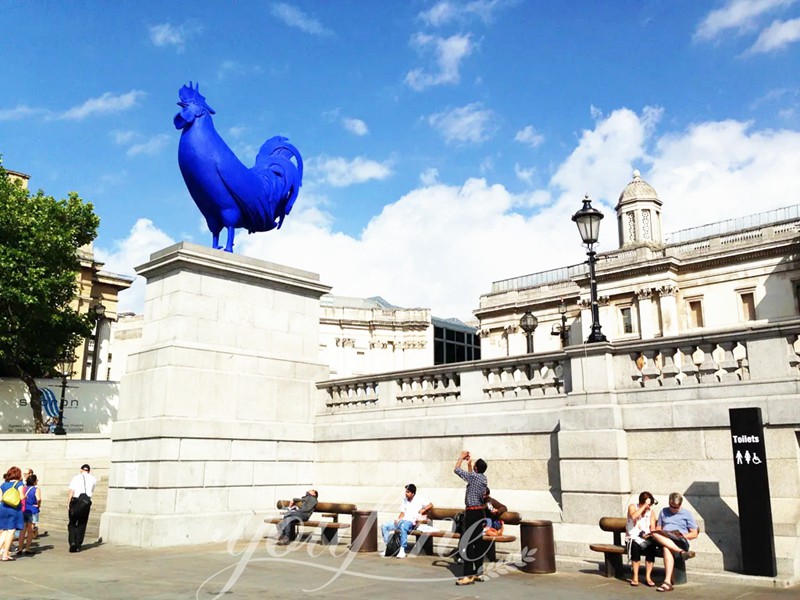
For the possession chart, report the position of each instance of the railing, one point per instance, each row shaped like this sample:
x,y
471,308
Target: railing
x,y
714,358
787,213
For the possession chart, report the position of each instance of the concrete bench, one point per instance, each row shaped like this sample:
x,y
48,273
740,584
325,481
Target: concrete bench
x,y
613,553
325,510
448,515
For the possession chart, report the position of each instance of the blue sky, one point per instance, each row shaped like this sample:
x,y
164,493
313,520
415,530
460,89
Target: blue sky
x,y
446,143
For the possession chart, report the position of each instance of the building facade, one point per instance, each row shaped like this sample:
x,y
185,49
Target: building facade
x,y
723,275
370,335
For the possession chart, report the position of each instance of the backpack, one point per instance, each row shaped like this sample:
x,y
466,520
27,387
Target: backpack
x,y
12,497
458,523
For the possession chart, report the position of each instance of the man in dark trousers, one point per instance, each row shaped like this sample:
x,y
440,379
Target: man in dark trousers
x,y
471,547
299,510
79,505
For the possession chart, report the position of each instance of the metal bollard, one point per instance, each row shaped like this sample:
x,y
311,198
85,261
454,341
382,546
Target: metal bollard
x,y
364,531
538,535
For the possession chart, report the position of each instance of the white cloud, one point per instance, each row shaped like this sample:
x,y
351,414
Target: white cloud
x,y
355,126
439,14
471,124
529,136
601,164
340,172
429,177
124,137
126,254
107,103
446,12
525,175
22,112
449,53
741,15
294,17
720,170
150,147
777,36
166,34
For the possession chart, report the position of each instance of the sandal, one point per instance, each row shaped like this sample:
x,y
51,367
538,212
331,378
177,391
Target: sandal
x,y
665,587
634,583
650,583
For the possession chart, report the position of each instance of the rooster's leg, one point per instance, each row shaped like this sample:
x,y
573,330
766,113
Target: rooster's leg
x,y
215,241
229,244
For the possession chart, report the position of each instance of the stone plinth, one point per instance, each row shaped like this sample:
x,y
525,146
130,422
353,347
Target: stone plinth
x,y
216,410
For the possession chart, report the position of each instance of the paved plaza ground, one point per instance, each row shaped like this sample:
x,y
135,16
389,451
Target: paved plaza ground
x,y
262,570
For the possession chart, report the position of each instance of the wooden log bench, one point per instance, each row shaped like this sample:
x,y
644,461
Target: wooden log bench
x,y
613,553
325,510
448,515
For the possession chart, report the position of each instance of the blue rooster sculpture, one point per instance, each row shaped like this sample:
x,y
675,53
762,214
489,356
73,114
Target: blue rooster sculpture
x,y
227,193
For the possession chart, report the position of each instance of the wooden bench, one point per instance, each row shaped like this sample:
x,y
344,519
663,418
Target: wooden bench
x,y
613,553
326,510
448,515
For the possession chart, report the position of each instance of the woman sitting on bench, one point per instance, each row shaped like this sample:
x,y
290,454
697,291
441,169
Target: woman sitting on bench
x,y
641,520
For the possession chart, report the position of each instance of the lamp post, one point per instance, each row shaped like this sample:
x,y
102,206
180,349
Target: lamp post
x,y
65,370
562,330
528,323
588,221
99,312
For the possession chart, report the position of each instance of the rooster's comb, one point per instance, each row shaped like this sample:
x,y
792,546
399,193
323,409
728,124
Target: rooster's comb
x,y
189,93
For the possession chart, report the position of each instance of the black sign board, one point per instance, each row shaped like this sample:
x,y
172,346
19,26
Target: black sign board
x,y
752,490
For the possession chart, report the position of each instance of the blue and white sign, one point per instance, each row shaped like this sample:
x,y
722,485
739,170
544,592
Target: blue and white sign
x,y
49,402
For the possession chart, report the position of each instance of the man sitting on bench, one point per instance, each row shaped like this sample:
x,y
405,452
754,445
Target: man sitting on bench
x,y
299,511
674,528
412,511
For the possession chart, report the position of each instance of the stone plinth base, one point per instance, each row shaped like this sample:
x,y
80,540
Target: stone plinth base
x,y
215,418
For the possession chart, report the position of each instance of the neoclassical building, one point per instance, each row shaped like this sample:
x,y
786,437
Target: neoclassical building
x,y
705,278
370,335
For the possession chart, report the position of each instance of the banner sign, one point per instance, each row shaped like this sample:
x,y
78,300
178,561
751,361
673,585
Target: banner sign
x,y
752,492
89,406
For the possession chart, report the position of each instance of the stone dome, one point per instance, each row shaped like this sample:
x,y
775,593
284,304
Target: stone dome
x,y
638,189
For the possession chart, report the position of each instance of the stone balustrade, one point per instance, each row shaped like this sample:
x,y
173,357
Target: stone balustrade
x,y
710,359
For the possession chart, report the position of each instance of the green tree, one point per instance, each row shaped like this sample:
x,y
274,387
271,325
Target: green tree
x,y
39,239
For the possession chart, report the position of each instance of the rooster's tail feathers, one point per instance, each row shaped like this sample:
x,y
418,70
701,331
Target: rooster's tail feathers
x,y
279,146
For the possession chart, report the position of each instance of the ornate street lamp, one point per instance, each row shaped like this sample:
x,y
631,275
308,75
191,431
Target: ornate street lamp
x,y
588,221
562,330
528,323
99,313
64,370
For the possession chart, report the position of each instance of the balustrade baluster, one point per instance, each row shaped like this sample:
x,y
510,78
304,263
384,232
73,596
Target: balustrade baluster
x,y
688,366
669,372
709,367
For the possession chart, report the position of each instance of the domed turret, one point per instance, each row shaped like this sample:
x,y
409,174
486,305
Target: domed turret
x,y
639,215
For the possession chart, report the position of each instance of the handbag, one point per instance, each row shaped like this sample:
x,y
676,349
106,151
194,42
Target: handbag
x,y
393,545
11,497
82,503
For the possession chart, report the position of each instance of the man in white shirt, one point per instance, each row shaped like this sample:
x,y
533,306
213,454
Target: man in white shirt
x,y
412,511
79,503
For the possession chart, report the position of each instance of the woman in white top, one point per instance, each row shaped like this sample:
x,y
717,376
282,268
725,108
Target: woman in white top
x,y
641,519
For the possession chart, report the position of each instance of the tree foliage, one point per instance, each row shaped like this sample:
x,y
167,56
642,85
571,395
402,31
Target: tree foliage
x,y
39,239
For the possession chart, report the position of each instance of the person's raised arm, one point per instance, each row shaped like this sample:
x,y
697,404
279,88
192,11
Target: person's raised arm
x,y
461,458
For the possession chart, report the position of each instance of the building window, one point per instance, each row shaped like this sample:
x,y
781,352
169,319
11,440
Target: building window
x,y
747,305
646,227
627,319
450,345
796,288
695,312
